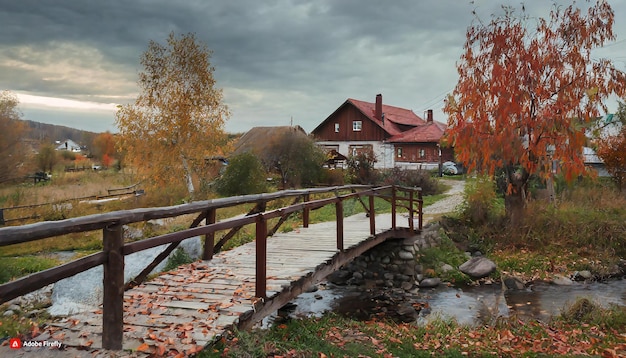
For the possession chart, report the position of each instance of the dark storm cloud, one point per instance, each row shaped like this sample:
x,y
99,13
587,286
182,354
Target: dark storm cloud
x,y
275,59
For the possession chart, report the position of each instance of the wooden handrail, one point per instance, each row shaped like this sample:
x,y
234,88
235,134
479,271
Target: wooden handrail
x,y
114,249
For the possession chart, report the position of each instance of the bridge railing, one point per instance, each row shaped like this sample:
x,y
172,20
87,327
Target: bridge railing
x,y
114,249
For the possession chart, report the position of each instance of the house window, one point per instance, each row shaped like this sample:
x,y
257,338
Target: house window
x,y
356,126
336,127
399,152
360,149
422,153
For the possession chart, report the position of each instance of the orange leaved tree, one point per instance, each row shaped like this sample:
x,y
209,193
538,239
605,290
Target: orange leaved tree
x,y
178,118
103,147
527,91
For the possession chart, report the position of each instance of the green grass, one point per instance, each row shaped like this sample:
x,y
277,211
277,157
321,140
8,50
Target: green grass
x,y
13,267
446,252
584,327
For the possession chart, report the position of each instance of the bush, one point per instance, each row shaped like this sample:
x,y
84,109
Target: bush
x,y
332,177
479,201
361,168
411,178
243,175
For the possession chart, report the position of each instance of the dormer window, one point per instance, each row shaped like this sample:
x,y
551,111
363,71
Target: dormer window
x,y
357,126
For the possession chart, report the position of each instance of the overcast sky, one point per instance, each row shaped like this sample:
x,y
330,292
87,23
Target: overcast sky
x,y
72,61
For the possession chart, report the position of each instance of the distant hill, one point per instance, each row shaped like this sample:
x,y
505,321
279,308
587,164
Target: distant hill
x,y
49,133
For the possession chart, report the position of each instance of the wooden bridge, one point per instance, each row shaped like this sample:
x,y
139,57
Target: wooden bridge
x,y
181,311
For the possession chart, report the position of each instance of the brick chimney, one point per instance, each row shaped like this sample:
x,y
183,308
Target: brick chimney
x,y
378,114
429,116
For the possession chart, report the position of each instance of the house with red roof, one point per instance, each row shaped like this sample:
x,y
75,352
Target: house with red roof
x,y
396,136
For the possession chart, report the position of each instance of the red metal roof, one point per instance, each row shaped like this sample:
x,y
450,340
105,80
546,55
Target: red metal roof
x,y
430,132
394,116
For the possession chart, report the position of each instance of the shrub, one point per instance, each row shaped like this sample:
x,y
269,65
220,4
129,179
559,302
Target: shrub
x,y
243,175
411,178
332,177
479,200
361,168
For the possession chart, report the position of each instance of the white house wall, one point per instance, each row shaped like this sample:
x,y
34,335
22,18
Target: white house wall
x,y
384,152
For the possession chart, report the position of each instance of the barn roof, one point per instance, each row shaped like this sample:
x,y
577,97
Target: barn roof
x,y
259,139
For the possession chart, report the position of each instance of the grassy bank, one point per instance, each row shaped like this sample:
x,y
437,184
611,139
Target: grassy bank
x,y
584,329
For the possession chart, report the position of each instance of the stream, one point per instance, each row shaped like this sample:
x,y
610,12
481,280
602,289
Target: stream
x,y
468,306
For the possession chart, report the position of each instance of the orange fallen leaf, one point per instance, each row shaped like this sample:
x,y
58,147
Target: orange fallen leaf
x,y
144,347
160,350
226,305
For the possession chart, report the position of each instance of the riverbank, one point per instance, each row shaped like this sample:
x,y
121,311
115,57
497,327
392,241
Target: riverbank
x,y
581,238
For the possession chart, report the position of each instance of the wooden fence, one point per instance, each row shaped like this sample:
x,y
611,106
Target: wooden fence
x,y
114,248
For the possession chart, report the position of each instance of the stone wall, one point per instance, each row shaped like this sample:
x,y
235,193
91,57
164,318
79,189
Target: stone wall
x,y
391,264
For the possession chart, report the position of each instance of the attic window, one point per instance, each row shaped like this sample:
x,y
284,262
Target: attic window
x,y
336,127
399,152
422,153
356,126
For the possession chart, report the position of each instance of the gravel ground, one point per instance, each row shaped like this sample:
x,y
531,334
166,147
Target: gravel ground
x,y
448,204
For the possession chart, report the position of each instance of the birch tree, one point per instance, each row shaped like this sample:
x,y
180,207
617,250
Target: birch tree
x,y
178,118
528,89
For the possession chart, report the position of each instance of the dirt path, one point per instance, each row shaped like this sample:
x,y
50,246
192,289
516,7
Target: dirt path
x,y
447,204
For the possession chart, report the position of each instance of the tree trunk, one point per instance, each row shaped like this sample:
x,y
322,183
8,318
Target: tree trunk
x,y
188,178
516,194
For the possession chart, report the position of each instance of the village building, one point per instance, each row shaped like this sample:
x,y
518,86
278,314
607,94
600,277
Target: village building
x,y
396,136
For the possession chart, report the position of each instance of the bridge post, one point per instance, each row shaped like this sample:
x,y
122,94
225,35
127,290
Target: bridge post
x,y
209,239
372,215
420,206
113,300
261,256
339,214
306,212
393,207
411,226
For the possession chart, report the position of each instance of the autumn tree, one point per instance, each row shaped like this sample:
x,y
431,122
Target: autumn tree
x,y
612,147
103,148
47,158
178,118
527,90
12,132
243,175
296,157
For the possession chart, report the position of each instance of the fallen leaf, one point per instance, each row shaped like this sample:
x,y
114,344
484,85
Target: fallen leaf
x,y
144,347
160,349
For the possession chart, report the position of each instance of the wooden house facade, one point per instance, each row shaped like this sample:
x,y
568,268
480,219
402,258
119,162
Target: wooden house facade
x,y
396,136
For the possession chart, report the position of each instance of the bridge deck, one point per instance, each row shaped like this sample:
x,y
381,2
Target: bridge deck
x,y
181,311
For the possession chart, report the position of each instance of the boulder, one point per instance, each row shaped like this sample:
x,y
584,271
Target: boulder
x,y
340,277
406,313
583,275
406,255
514,283
446,268
562,281
430,282
478,267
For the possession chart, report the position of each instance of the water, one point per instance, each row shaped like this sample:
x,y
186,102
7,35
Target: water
x,y
469,306
84,291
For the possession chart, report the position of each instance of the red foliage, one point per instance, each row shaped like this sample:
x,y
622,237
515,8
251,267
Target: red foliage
x,y
527,89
